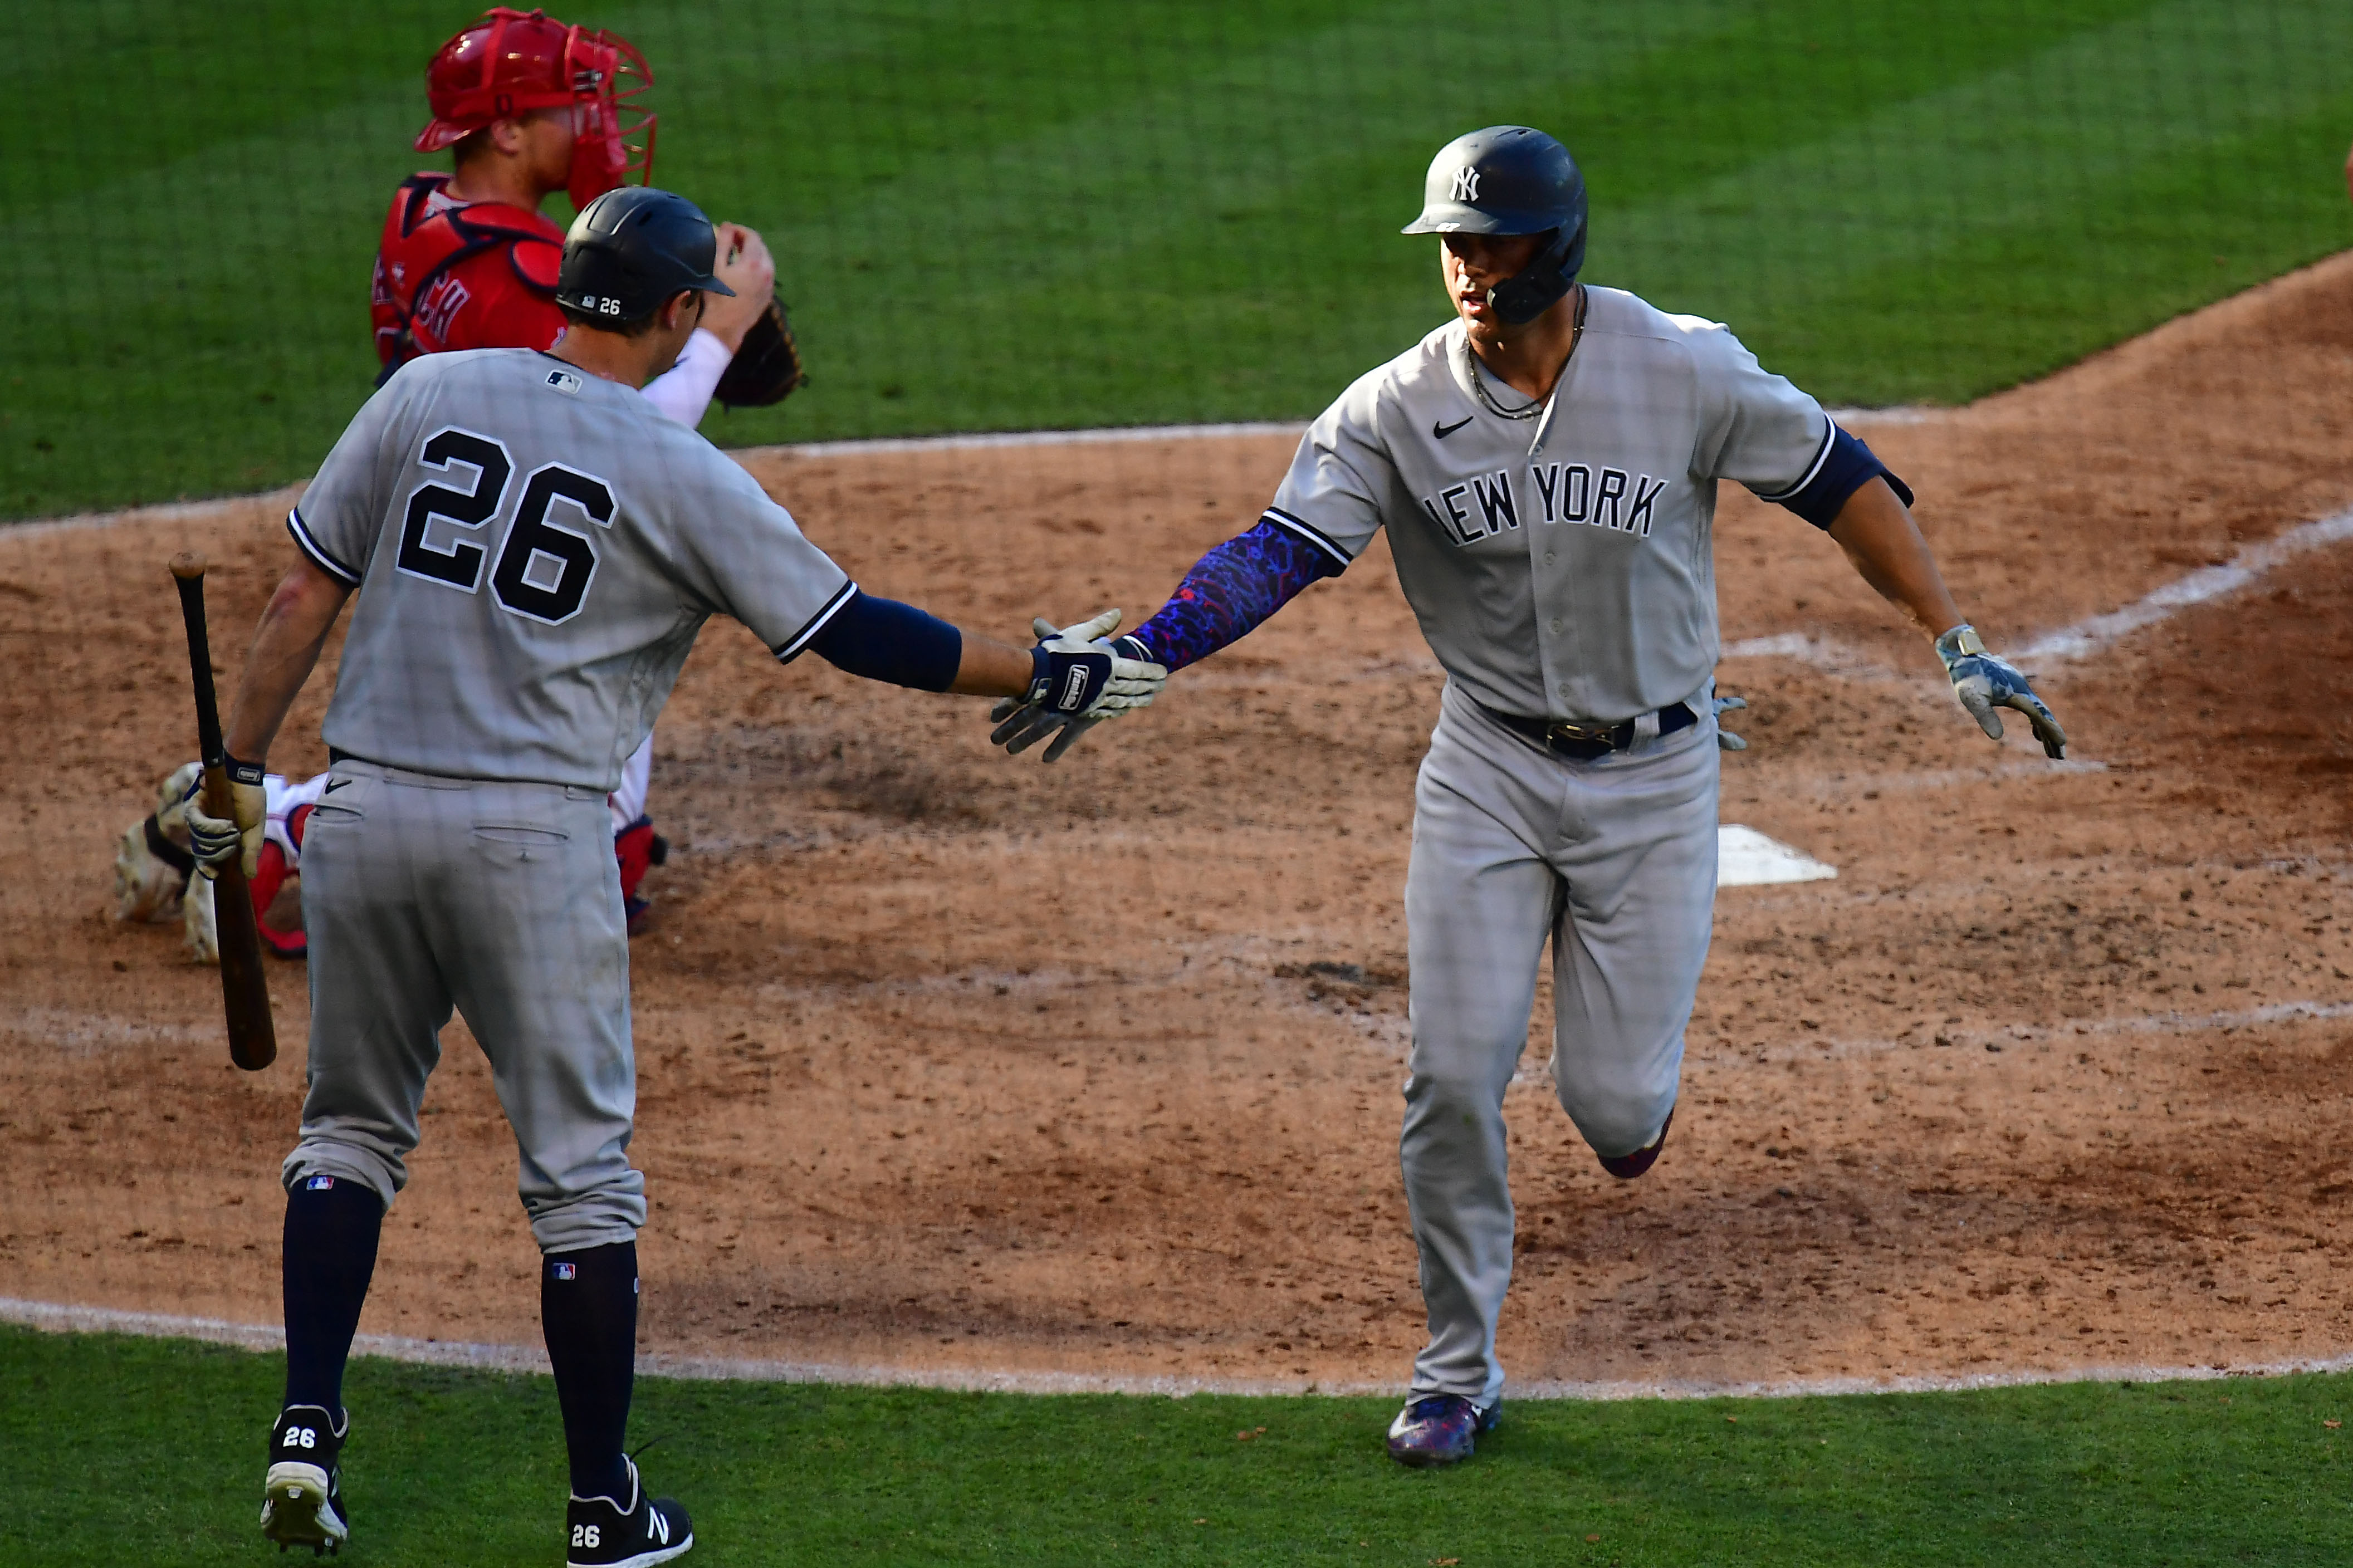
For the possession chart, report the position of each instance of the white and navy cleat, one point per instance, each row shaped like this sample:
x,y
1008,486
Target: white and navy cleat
x,y
303,1498
603,1534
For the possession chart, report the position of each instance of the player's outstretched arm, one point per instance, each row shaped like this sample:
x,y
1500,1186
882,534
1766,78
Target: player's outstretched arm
x,y
1877,532
1135,679
285,650
1072,675
1229,592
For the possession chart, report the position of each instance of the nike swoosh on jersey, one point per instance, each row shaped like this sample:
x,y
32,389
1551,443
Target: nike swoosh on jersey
x,y
334,785
1443,431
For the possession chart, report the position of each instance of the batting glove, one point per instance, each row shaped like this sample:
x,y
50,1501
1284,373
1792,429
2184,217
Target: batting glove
x,y
213,840
1724,739
1082,679
1986,684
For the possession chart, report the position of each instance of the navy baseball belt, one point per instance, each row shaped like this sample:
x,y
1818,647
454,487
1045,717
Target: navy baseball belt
x,y
1584,742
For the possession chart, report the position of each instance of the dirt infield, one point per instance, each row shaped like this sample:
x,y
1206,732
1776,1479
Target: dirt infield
x,y
952,1062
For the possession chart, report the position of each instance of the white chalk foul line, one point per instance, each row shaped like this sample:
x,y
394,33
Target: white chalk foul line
x,y
2088,635
2242,571
1823,652
56,1318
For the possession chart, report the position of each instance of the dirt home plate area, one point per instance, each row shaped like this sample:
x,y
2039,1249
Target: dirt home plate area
x,y
954,1066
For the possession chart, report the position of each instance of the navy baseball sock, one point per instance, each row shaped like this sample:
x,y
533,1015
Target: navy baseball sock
x,y
333,1223
588,1308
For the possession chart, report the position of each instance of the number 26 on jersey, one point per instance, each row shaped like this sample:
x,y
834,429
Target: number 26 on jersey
x,y
543,568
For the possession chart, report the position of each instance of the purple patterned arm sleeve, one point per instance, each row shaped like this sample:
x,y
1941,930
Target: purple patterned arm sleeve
x,y
1234,588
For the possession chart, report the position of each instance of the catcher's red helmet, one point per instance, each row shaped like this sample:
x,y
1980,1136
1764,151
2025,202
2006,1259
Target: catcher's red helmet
x,y
509,62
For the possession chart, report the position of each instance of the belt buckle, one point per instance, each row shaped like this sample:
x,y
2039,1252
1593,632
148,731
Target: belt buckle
x,y
1561,729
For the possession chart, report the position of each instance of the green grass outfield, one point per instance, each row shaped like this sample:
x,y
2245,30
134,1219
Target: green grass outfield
x,y
122,1450
1054,214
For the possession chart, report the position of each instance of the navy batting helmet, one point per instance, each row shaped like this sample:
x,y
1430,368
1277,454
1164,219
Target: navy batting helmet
x,y
632,249
1509,179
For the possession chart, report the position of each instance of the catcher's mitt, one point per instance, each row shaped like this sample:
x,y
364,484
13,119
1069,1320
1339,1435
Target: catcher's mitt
x,y
151,863
767,367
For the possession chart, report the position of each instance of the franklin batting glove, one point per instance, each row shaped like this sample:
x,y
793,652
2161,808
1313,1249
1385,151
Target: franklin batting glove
x,y
1985,685
212,840
1724,739
1081,680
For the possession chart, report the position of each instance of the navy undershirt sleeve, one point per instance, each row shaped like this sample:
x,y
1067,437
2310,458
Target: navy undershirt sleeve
x,y
1845,469
882,639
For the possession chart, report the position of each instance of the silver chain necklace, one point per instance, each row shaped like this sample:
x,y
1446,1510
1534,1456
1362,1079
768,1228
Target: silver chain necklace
x,y
1535,407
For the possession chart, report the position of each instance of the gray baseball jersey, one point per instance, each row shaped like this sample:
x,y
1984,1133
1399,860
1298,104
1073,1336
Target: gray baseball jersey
x,y
536,549
1562,564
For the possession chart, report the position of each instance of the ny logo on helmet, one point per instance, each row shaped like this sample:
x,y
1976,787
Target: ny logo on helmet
x,y
1466,184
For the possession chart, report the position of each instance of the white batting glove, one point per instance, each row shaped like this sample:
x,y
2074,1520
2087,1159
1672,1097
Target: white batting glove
x,y
1985,684
1088,678
213,840
1724,739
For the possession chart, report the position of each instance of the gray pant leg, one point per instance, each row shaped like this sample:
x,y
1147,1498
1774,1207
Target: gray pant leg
x,y
1480,901
1615,862
1634,936
537,956
377,998
505,899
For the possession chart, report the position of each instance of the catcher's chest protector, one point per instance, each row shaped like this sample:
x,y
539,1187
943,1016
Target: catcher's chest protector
x,y
462,277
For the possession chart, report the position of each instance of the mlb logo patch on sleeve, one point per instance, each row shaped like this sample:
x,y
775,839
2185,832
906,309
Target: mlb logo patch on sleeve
x,y
564,1270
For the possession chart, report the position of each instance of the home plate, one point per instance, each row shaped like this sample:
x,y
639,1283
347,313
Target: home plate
x,y
1747,858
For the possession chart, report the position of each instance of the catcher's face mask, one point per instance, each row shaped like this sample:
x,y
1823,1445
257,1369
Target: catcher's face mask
x,y
613,131
509,62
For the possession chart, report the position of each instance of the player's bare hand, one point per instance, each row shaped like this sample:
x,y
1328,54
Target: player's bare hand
x,y
1985,685
745,265
1724,739
213,840
1087,677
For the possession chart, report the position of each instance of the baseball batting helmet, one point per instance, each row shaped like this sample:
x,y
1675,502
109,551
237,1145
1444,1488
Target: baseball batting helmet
x,y
632,249
1509,179
511,62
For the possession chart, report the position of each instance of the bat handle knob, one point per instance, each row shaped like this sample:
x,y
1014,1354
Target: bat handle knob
x,y
188,565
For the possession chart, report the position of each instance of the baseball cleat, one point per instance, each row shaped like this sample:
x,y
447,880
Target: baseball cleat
x,y
1440,1429
603,1534
1626,1167
303,1498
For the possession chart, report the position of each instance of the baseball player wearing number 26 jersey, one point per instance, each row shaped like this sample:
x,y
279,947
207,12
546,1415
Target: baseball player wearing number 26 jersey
x,y
1545,466
533,552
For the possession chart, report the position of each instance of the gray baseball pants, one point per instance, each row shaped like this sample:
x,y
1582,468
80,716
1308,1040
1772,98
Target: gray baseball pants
x,y
422,893
1613,861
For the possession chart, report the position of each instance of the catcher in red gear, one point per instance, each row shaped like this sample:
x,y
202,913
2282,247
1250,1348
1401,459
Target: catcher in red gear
x,y
528,106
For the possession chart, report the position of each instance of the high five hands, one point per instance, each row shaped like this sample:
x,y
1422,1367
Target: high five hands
x,y
1085,677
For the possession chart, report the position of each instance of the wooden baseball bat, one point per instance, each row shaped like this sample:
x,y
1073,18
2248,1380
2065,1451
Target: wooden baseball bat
x,y
244,991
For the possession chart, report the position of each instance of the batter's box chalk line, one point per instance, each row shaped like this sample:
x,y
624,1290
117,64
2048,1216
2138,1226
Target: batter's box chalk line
x,y
1747,858
62,1318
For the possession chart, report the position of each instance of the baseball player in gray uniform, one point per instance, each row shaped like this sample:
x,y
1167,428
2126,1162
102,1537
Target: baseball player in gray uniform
x,y
1546,465
535,550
